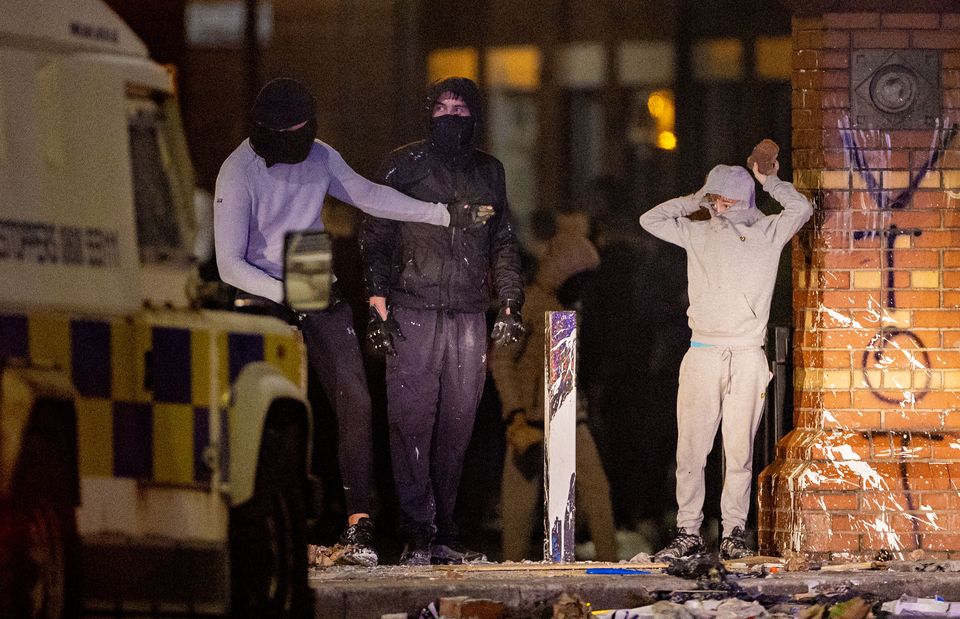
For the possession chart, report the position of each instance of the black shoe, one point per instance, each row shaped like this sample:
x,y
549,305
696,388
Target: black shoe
x,y
683,545
734,546
357,544
415,553
455,553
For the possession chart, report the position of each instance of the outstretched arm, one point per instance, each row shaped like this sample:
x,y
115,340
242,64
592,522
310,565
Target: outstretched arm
x,y
379,200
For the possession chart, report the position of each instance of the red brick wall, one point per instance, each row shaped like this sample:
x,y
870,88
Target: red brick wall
x,y
873,464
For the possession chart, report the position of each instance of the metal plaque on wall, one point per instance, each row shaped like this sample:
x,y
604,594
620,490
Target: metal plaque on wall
x,y
894,88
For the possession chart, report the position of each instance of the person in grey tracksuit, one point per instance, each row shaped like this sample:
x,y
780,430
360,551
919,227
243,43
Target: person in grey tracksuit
x,y
732,261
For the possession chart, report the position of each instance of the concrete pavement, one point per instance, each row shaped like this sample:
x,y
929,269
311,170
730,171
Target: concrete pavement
x,y
527,591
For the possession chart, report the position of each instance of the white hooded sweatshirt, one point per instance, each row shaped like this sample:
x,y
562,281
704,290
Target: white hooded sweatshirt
x,y
732,258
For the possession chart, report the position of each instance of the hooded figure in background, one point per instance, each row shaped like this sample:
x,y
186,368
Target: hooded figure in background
x,y
564,271
732,261
273,183
429,290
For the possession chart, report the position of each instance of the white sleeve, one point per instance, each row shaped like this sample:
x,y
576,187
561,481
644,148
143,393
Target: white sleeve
x,y
667,220
231,222
379,200
796,209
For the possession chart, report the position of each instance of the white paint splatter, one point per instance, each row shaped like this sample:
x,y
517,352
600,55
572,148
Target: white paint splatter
x,y
843,320
828,416
888,534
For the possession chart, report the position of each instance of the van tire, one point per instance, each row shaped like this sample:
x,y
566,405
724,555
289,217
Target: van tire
x,y
268,539
42,565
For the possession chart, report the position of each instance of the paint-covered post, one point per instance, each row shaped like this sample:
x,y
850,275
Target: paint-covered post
x,y
872,468
560,427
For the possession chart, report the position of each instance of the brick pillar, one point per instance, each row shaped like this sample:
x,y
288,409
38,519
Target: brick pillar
x,y
872,467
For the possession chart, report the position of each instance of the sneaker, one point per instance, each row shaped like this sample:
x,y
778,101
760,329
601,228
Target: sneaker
x,y
734,546
683,545
415,554
455,553
356,545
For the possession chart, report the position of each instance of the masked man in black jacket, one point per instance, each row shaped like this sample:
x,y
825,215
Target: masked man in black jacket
x,y
429,289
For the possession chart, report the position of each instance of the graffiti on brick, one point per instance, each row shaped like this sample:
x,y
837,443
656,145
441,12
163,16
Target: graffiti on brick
x,y
889,344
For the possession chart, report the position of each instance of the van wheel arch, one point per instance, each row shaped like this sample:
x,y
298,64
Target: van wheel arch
x,y
42,571
268,540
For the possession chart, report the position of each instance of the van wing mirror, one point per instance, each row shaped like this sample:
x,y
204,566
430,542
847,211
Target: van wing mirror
x,y
307,270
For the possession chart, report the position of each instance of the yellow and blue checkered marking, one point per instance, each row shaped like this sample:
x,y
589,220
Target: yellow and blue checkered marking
x,y
144,405
13,336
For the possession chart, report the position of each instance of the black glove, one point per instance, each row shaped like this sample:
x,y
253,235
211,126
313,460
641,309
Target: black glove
x,y
382,334
466,215
507,328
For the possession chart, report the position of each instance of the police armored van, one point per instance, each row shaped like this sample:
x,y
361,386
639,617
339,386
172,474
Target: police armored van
x,y
153,457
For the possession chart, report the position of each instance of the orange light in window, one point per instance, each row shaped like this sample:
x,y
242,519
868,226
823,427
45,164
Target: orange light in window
x,y
666,140
453,61
515,67
662,110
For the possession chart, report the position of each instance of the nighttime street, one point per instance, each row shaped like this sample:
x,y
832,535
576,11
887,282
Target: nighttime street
x,y
504,308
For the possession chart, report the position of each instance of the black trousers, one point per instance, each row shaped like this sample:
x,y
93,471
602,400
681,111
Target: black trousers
x,y
434,385
334,354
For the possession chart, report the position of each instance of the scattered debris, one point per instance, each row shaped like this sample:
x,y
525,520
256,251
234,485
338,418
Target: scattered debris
x,y
429,612
464,607
812,612
908,606
731,608
536,566
885,554
856,608
852,567
755,566
663,609
925,566
571,607
327,556
795,562
698,566
719,590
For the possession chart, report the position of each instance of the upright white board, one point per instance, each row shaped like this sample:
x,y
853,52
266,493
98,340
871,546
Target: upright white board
x,y
560,427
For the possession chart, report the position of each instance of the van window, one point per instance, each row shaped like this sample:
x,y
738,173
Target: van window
x,y
157,190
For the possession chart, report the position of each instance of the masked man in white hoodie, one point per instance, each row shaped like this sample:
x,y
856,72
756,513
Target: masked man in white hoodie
x,y
732,261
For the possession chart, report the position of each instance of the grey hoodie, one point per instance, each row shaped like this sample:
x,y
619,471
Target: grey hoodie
x,y
732,258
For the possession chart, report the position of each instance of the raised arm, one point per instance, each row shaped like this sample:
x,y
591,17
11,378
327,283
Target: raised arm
x,y
231,224
667,220
379,200
796,208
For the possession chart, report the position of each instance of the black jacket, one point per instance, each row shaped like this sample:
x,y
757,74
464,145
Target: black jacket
x,y
421,266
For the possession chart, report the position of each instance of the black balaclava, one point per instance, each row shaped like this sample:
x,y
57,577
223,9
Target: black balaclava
x,y
454,138
283,103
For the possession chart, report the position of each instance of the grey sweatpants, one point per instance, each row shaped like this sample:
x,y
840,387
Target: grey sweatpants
x,y
719,387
